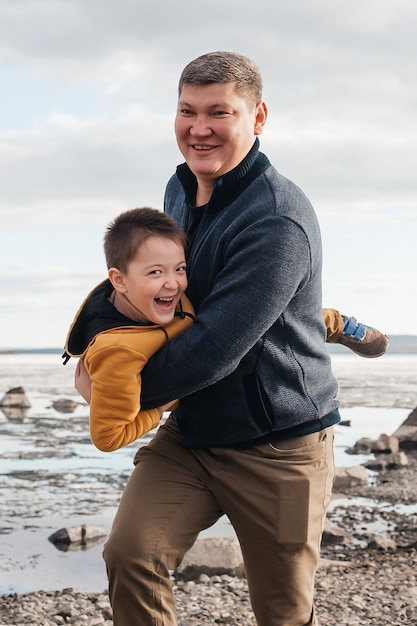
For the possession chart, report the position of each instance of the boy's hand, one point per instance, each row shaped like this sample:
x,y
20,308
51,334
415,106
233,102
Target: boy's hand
x,y
82,381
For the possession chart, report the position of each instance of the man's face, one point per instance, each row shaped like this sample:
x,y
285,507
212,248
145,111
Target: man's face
x,y
215,128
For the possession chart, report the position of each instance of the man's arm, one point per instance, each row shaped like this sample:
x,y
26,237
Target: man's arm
x,y
250,293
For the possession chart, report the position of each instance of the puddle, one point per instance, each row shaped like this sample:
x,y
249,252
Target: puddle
x,y
369,517
31,562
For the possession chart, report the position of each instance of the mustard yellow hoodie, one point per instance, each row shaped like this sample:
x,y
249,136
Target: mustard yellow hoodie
x,y
115,349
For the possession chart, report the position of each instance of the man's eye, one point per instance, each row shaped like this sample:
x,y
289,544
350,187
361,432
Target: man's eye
x,y
186,112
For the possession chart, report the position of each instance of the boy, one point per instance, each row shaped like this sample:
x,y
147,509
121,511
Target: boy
x,y
128,317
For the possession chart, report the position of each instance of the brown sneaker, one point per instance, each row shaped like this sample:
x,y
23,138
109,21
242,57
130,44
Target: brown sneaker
x,y
363,340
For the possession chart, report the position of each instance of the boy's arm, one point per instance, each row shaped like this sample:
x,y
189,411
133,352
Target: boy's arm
x,y
112,380
82,383
116,418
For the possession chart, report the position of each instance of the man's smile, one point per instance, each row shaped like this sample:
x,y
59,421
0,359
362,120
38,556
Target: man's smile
x,y
200,148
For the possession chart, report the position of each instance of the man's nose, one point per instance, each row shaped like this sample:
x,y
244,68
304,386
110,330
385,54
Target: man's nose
x,y
200,126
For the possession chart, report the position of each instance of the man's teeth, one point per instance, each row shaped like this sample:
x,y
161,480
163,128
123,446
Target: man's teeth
x,y
202,147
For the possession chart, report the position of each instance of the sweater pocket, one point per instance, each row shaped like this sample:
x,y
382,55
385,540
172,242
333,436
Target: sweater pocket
x,y
255,401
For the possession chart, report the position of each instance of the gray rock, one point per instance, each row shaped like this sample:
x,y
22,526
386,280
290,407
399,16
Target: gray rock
x,y
384,444
16,398
78,537
350,477
214,556
407,432
378,542
362,446
65,405
333,534
388,461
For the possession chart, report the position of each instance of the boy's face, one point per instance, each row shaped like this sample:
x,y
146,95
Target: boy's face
x,y
215,128
155,279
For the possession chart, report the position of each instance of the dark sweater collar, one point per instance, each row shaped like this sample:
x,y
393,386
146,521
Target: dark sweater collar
x,y
227,187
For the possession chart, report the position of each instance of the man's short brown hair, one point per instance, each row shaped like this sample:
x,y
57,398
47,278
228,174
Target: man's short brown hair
x,y
224,67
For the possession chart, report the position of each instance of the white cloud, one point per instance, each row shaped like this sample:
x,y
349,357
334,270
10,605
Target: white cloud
x,y
86,129
70,168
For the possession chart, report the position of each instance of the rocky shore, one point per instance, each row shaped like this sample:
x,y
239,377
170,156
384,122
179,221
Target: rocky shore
x,y
368,570
367,574
373,588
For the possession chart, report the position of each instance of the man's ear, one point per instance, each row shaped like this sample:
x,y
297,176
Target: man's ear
x,y
261,113
117,279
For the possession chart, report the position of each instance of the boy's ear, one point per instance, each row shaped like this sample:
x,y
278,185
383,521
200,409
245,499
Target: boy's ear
x,y
117,279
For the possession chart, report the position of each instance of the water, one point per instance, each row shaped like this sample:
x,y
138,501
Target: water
x,y
51,475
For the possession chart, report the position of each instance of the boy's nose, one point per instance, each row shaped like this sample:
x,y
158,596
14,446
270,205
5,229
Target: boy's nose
x,y
171,282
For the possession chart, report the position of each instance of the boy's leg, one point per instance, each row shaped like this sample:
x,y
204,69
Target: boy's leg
x,y
163,508
334,324
361,339
276,497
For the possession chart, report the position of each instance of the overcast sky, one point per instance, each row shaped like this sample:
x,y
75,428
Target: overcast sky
x,y
88,96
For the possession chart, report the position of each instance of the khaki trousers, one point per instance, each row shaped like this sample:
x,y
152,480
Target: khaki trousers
x,y
275,496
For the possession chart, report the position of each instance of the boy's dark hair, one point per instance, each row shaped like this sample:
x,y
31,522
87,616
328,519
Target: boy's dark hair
x,y
130,229
224,67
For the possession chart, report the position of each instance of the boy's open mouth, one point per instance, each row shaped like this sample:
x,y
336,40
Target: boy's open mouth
x,y
164,303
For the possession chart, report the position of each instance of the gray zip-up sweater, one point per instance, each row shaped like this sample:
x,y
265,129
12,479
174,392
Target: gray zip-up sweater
x,y
254,367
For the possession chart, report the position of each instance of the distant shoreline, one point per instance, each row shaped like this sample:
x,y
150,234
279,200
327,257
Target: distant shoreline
x,y
32,351
399,344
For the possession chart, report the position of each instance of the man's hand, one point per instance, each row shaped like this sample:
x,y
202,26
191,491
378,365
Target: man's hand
x,y
82,381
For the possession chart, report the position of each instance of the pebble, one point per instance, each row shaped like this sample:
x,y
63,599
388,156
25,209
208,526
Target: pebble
x,y
374,588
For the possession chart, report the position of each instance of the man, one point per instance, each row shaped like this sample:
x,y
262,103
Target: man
x,y
253,434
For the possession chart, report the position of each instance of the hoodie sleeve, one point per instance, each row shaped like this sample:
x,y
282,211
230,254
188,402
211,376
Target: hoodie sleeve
x,y
116,418
114,361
